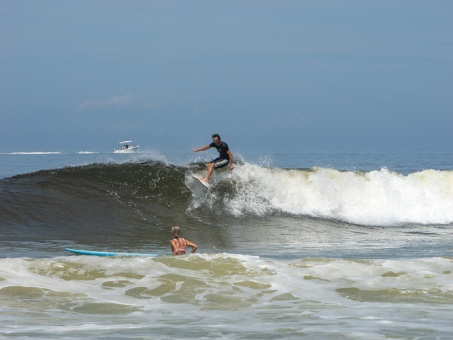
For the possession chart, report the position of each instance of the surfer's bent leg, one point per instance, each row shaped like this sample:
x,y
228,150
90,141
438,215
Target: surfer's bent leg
x,y
215,164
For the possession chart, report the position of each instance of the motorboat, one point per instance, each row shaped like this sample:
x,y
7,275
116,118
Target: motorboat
x,y
126,147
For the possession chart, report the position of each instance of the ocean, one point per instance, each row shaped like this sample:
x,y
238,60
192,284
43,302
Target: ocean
x,y
322,244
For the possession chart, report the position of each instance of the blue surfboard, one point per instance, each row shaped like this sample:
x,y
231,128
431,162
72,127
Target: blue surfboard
x,y
106,253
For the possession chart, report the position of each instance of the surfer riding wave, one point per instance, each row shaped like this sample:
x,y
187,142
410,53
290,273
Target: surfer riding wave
x,y
225,156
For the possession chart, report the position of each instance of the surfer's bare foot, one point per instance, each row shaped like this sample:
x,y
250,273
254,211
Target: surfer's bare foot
x,y
204,180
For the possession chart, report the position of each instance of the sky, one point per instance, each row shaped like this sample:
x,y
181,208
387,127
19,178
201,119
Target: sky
x,y
315,74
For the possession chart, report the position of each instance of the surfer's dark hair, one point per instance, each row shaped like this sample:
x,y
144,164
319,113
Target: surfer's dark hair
x,y
216,135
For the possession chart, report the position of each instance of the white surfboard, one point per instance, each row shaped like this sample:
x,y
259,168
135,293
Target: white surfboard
x,y
207,185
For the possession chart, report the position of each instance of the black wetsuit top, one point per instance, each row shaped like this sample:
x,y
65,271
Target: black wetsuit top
x,y
222,149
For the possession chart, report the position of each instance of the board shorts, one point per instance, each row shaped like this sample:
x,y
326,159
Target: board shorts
x,y
220,162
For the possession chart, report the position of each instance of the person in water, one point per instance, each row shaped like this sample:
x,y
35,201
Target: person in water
x,y
225,156
179,244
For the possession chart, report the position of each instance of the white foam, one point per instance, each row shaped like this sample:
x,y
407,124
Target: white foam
x,y
34,153
372,198
235,294
87,152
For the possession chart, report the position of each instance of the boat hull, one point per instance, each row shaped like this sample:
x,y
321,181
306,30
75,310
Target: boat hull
x,y
130,149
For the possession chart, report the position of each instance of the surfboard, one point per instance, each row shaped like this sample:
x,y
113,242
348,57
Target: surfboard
x,y
207,185
106,253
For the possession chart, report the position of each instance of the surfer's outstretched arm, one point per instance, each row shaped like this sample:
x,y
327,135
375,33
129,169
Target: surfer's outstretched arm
x,y
203,148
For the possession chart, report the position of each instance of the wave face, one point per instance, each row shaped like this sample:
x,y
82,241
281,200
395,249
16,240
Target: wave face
x,y
96,198
139,193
